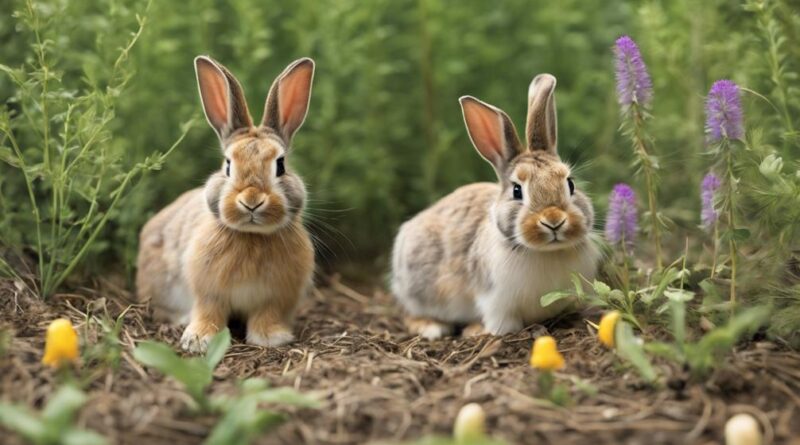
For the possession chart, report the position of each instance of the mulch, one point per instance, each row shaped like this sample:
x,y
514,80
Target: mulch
x,y
379,384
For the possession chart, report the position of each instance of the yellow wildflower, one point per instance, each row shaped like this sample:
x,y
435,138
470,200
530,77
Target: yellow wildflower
x,y
470,423
61,344
545,355
608,325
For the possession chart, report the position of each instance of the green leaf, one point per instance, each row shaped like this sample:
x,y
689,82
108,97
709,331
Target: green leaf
x,y
192,372
286,396
217,347
704,355
675,294
616,295
631,350
82,437
666,350
551,297
25,423
741,234
602,289
60,410
576,281
677,310
667,278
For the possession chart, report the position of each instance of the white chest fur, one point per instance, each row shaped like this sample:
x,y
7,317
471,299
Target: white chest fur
x,y
519,278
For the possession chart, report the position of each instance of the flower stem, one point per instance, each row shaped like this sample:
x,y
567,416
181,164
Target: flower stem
x,y
649,172
731,180
715,249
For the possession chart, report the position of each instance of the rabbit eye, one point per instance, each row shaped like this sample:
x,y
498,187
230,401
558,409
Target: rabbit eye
x,y
280,168
228,167
571,186
517,192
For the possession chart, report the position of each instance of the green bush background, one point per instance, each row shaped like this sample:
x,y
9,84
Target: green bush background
x,y
384,136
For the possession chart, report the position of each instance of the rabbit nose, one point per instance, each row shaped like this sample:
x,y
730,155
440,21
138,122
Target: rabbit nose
x,y
253,208
553,227
553,218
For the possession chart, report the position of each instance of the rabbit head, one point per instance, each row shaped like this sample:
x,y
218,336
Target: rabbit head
x,y
254,190
538,207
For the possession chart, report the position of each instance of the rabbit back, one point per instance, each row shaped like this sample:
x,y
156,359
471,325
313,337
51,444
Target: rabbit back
x,y
163,242
437,271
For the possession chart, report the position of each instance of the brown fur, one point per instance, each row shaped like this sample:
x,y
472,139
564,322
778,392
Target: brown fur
x,y
238,246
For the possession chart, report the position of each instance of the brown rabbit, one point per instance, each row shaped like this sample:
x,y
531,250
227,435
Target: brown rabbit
x,y
488,252
238,245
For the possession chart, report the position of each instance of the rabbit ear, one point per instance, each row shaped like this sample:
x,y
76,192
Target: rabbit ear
x,y
541,130
287,102
491,131
222,97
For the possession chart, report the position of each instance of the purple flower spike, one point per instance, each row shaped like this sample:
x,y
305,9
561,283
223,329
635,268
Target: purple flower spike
x,y
633,80
621,217
724,111
709,187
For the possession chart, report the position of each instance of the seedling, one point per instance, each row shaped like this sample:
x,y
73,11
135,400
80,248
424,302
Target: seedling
x,y
55,424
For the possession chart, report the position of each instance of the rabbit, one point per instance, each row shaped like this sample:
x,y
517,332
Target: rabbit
x,y
238,245
485,254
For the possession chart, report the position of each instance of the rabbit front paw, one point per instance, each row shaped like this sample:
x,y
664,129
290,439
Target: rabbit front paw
x,y
193,341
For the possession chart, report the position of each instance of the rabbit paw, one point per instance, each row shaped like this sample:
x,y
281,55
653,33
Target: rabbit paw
x,y
276,337
193,342
428,328
474,330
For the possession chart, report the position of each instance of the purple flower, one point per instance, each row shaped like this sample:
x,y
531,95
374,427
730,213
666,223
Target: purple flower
x,y
621,217
709,187
724,111
633,81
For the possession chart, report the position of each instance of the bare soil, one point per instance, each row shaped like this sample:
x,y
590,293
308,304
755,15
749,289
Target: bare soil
x,y
378,383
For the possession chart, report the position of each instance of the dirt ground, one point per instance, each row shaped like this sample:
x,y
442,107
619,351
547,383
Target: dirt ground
x,y
377,383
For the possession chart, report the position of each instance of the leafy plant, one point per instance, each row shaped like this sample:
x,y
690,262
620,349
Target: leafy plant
x,y
108,349
242,418
194,373
58,136
639,302
705,354
54,425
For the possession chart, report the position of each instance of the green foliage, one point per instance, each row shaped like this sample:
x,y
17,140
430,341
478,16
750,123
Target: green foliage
x,y
55,424
630,348
704,355
57,137
242,419
194,373
108,349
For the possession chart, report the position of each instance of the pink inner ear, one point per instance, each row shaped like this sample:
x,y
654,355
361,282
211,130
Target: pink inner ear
x,y
485,129
293,94
214,92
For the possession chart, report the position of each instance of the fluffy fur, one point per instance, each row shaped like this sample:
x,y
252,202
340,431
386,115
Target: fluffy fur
x,y
238,245
487,253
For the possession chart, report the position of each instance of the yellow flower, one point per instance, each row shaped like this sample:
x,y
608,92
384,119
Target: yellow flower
x,y
545,355
61,344
608,325
470,424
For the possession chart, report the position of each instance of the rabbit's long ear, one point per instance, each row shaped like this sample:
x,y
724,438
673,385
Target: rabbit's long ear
x,y
287,102
541,129
222,97
491,131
